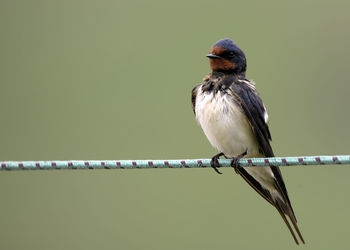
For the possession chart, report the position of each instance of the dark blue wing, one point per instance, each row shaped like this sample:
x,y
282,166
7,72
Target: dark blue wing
x,y
254,110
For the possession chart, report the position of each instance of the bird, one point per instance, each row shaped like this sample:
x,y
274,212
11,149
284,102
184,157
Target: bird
x,y
234,119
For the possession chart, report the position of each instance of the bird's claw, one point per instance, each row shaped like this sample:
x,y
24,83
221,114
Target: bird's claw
x,y
214,163
235,161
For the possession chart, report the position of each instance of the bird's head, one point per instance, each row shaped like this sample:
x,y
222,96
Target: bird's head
x,y
226,56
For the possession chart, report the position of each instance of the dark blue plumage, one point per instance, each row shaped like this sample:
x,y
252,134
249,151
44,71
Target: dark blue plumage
x,y
229,45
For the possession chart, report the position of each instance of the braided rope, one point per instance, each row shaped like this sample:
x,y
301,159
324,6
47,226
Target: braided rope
x,y
190,163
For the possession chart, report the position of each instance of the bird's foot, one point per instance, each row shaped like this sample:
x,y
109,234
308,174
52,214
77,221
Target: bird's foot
x,y
235,160
214,163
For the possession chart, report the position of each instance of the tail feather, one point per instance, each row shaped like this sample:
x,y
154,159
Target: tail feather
x,y
280,210
277,196
282,203
294,222
285,209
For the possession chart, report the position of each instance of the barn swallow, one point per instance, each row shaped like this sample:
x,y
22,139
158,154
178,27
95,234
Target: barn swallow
x,y
234,119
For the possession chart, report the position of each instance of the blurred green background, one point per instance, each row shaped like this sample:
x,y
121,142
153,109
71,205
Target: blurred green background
x,y
112,80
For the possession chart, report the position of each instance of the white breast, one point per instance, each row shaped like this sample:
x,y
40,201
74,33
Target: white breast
x,y
224,124
228,130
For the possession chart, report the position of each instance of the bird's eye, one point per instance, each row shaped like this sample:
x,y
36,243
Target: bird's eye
x,y
231,54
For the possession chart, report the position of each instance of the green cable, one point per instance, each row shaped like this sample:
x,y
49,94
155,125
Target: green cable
x,y
190,163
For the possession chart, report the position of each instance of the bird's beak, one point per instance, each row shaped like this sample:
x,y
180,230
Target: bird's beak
x,y
213,56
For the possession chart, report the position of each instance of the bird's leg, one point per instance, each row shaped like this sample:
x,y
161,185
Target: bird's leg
x,y
235,160
214,163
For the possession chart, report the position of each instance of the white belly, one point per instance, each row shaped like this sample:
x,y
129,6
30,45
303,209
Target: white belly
x,y
228,130
224,124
